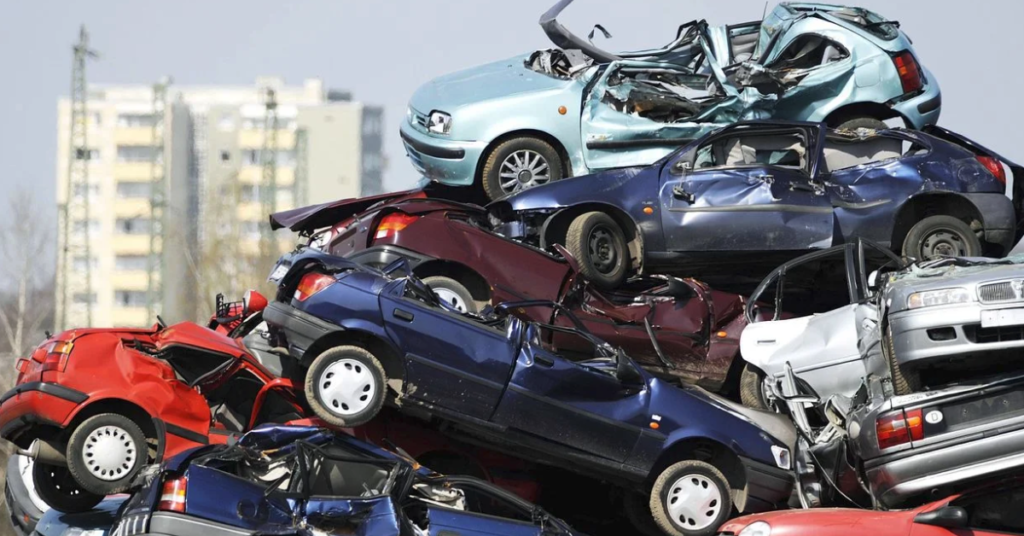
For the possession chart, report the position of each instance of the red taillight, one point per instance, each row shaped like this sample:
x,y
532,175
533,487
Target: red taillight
x,y
391,224
898,428
21,366
910,72
57,355
994,166
312,283
253,302
172,495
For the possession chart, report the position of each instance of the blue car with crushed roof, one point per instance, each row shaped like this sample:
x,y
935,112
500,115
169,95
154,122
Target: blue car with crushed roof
x,y
761,193
576,109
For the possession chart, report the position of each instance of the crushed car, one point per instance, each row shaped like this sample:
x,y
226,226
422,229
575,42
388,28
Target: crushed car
x,y
307,480
449,246
361,332
577,109
761,192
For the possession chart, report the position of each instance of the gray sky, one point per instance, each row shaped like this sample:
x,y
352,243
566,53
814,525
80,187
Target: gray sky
x,y
382,50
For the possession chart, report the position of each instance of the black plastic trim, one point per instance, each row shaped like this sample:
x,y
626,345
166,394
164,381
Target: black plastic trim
x,y
49,388
430,150
185,433
930,105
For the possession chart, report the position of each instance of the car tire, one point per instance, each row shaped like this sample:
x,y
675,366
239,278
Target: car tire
x,y
452,292
752,389
638,513
544,165
598,245
105,453
702,517
340,408
57,487
904,382
941,235
869,123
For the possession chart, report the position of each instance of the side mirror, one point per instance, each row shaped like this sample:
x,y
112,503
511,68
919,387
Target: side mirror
x,y
626,371
253,302
681,167
950,517
873,280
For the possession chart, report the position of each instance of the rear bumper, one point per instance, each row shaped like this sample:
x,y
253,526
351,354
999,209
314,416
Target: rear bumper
x,y
768,487
301,329
899,477
999,218
36,403
925,108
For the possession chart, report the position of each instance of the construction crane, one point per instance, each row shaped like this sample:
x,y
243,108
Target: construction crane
x,y
74,239
301,188
268,186
157,202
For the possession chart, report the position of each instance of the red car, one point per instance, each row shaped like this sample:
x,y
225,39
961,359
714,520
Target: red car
x,y
993,509
449,246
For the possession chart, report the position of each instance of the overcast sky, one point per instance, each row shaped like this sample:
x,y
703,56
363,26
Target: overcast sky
x,y
383,50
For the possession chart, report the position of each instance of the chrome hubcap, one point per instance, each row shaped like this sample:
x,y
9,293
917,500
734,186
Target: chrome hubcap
x,y
523,169
602,250
109,453
346,387
943,242
451,298
694,502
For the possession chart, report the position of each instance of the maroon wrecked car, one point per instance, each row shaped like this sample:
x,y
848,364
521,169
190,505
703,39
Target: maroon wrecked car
x,y
450,246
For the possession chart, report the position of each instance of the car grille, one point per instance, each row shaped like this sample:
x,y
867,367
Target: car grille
x,y
977,334
1003,291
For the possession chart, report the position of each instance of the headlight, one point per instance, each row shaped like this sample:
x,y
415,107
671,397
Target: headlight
x,y
931,298
757,528
409,116
439,123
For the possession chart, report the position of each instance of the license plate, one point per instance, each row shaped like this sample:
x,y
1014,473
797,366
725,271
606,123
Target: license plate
x,y
279,271
1002,317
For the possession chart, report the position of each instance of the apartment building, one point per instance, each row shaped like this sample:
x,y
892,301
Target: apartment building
x,y
213,141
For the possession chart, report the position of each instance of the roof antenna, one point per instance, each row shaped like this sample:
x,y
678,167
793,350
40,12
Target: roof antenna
x,y
764,11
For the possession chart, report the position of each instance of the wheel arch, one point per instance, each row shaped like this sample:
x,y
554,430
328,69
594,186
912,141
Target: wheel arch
x,y
928,204
557,226
385,352
563,154
711,451
133,411
862,109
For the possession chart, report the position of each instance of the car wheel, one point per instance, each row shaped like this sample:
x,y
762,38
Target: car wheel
x,y
938,236
691,498
518,164
638,513
597,243
57,487
752,389
453,293
904,382
345,386
105,452
869,123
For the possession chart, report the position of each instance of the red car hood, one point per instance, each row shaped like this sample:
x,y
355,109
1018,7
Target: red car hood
x,y
310,218
196,336
829,521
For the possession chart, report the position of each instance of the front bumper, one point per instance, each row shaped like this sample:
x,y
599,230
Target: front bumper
x,y
35,403
446,161
768,487
301,329
898,477
914,344
922,109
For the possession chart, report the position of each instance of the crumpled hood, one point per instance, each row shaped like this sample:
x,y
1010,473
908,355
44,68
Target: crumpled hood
x,y
312,217
196,336
570,191
496,80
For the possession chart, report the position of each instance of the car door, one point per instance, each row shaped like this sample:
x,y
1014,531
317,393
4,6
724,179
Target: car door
x,y
452,361
572,402
749,188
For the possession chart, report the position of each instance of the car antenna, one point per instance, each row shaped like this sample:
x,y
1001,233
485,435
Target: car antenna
x,y
764,11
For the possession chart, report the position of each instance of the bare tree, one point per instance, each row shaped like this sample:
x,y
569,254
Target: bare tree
x,y
25,267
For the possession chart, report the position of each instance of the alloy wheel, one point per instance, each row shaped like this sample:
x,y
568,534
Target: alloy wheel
x,y
523,169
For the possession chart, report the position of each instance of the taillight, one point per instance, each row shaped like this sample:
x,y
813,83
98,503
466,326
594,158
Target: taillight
x,y
21,366
910,72
899,428
312,283
57,355
172,495
994,166
391,224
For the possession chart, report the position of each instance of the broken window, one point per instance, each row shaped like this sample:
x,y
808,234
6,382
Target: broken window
x,y
842,152
743,41
661,95
748,149
869,21
809,51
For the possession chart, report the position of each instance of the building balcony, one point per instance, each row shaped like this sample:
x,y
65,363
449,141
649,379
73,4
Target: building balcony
x,y
130,317
132,207
133,136
253,139
130,244
254,175
133,171
131,279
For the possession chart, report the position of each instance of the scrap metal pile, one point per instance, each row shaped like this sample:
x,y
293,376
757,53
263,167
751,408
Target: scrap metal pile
x,y
716,323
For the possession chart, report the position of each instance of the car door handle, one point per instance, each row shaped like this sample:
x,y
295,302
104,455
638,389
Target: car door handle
x,y
680,193
543,361
403,315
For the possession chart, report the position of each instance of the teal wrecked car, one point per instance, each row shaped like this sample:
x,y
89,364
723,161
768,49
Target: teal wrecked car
x,y
576,109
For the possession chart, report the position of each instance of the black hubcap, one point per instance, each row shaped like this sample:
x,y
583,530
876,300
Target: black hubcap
x,y
943,243
601,247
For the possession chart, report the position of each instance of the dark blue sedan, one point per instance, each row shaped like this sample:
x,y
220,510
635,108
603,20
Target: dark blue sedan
x,y
757,188
555,395
308,481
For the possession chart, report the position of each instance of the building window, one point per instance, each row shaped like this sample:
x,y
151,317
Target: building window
x,y
97,119
79,264
131,262
83,298
130,298
250,229
79,190
87,154
135,120
137,153
250,193
79,227
225,156
251,157
133,190
253,123
226,123
132,226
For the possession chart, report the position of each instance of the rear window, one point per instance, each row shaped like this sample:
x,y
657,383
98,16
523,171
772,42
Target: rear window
x,y
869,21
